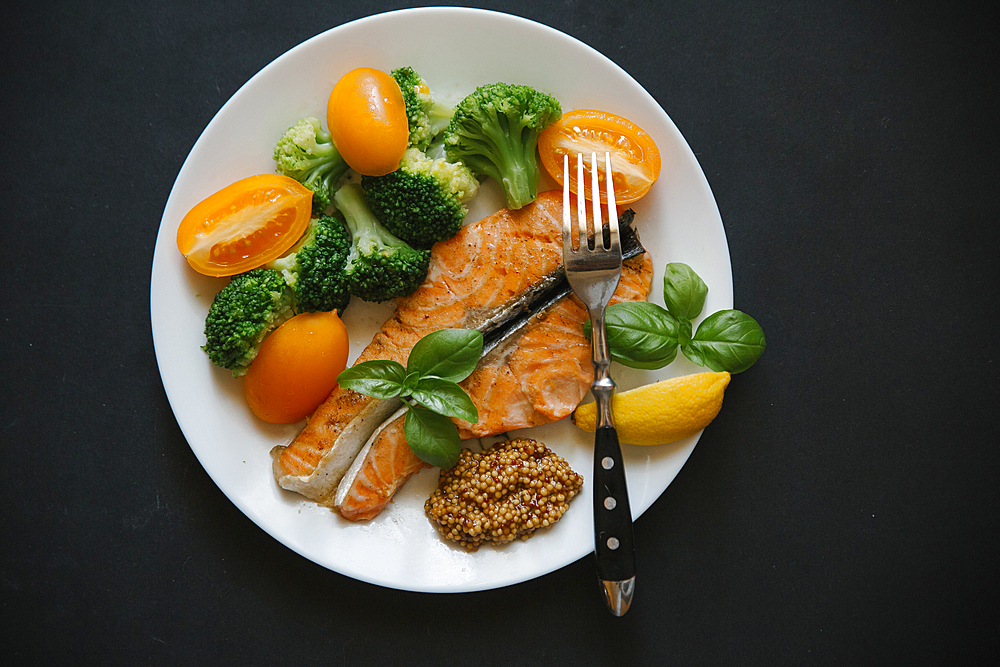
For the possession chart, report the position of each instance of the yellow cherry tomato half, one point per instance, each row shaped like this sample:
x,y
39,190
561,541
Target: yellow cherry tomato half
x,y
367,120
635,159
244,225
296,367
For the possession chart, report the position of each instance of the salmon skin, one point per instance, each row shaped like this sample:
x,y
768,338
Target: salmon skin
x,y
487,274
535,375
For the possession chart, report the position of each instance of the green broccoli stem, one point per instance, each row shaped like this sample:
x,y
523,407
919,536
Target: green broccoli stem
x,y
366,230
325,169
516,167
325,147
351,203
439,116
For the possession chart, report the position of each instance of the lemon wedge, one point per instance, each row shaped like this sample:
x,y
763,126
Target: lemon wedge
x,y
662,412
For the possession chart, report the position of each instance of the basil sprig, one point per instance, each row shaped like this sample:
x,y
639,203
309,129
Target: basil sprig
x,y
640,334
646,335
429,386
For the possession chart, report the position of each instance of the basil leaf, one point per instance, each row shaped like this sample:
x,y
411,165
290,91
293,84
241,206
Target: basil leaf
x,y
445,397
432,437
640,334
378,378
729,340
684,291
450,354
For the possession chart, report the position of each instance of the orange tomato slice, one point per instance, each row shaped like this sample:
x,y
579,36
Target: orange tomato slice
x,y
367,120
635,159
297,367
245,225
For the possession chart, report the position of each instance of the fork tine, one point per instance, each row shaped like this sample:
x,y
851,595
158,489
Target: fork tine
x,y
581,204
615,243
595,199
567,229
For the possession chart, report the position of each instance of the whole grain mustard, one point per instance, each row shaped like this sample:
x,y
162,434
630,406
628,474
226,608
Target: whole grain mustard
x,y
505,493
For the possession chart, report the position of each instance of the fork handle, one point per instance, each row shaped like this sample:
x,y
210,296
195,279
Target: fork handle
x,y
612,522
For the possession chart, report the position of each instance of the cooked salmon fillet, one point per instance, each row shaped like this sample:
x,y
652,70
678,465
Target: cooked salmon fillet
x,y
475,277
379,471
536,378
541,376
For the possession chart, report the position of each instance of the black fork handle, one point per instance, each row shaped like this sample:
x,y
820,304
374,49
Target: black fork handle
x,y
614,545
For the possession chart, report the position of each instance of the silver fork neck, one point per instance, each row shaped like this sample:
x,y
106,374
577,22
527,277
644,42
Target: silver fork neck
x,y
603,386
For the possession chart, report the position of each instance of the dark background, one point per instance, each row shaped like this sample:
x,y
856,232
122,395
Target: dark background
x,y
840,510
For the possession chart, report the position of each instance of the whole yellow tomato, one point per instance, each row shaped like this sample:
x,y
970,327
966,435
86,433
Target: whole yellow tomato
x,y
296,367
367,120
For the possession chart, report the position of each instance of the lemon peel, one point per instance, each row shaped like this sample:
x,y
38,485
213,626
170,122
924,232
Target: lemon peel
x,y
662,412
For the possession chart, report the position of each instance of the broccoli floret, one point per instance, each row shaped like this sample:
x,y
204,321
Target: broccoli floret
x,y
306,153
423,201
315,267
495,132
243,313
380,266
426,114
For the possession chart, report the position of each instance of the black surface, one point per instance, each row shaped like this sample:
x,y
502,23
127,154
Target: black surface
x,y
842,509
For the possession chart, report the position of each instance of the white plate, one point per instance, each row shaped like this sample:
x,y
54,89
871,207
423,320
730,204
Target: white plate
x,y
455,50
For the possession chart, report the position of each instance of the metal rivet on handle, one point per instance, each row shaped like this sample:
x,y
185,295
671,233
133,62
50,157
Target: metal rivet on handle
x,y
610,503
612,543
607,463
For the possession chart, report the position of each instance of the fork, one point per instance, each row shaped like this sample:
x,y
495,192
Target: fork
x,y
593,268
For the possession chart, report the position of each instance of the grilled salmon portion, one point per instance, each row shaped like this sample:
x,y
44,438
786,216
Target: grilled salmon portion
x,y
476,279
532,379
382,467
541,376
